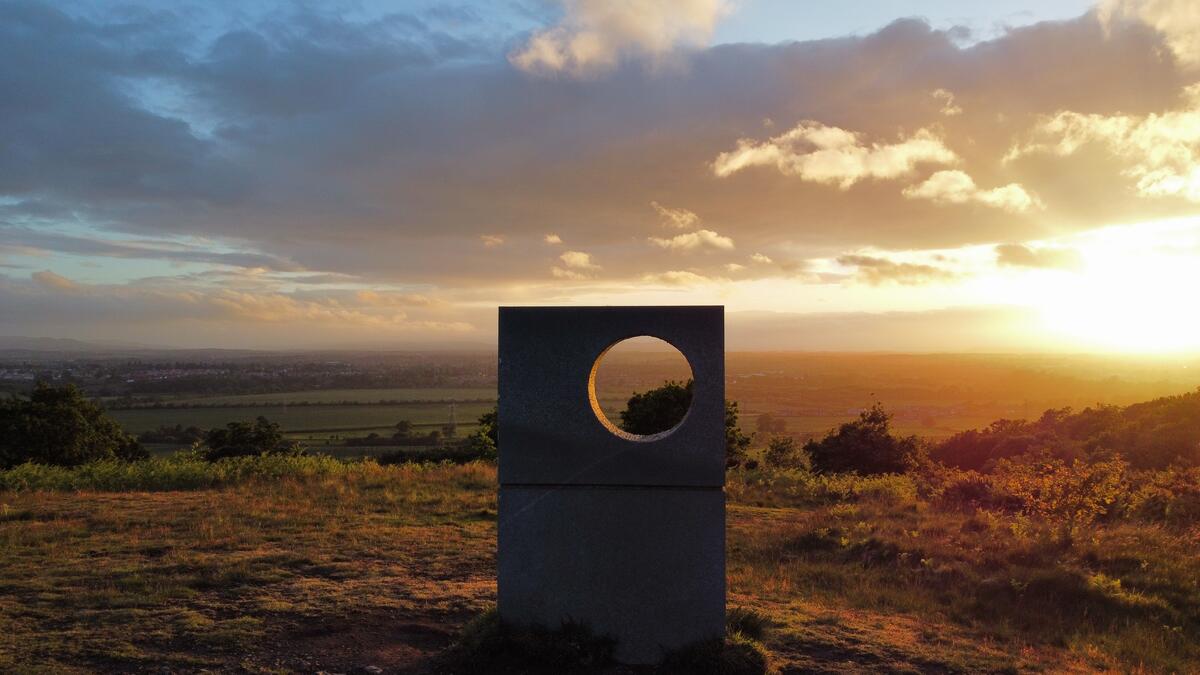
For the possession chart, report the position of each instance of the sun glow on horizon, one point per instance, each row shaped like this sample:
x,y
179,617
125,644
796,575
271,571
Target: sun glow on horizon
x,y
1133,291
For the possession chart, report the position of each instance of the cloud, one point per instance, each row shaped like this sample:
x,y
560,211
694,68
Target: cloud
x,y
679,278
956,187
593,36
145,248
288,138
761,259
949,108
1161,151
677,218
1021,255
1177,20
875,271
819,153
577,265
563,273
53,281
491,240
212,311
578,260
552,239
734,267
393,299
693,241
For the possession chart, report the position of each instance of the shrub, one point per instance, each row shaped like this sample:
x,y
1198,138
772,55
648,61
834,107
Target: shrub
x,y
1171,496
748,622
800,487
1077,493
482,443
490,645
456,454
246,439
968,489
658,409
182,471
740,653
1154,434
865,446
59,426
737,654
783,453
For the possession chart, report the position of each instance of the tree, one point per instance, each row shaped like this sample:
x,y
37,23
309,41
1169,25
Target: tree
x,y
865,445
736,443
658,409
60,426
403,429
246,439
662,408
482,442
783,453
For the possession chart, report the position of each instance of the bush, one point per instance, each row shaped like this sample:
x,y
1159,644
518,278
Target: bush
x,y
740,653
490,645
456,454
482,443
182,471
783,453
968,489
657,410
660,409
60,427
1151,435
737,654
1171,496
1077,493
799,487
865,446
245,439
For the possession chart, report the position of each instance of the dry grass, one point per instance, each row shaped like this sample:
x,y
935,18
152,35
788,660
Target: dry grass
x,y
290,576
383,565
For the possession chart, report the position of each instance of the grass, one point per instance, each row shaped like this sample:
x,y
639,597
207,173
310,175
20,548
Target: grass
x,y
315,564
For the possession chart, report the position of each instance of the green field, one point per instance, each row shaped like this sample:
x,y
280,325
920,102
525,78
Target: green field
x,y
429,408
317,419
351,395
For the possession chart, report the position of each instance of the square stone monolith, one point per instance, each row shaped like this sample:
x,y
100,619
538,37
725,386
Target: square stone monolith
x,y
623,533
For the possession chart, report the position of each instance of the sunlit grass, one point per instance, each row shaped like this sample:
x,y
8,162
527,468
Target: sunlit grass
x,y
304,566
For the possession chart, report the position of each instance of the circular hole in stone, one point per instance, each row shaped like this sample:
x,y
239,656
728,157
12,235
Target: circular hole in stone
x,y
641,388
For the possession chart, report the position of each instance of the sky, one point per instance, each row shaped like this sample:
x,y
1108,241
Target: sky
x,y
878,175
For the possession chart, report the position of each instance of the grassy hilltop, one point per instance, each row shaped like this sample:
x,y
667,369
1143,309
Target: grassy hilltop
x,y
300,564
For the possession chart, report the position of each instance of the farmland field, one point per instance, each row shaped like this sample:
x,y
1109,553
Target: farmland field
x,y
313,419
327,396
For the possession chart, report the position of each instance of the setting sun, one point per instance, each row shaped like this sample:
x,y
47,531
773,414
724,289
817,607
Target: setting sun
x,y
1133,292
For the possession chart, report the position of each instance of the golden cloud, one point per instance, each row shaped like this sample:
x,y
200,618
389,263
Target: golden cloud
x,y
594,35
818,153
677,218
693,241
952,186
1177,20
1162,149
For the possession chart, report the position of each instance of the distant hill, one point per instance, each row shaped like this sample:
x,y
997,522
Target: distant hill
x,y
48,344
